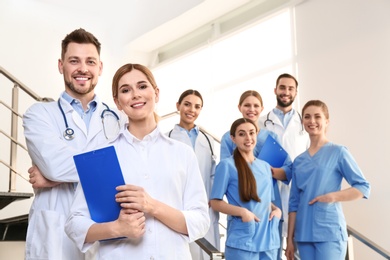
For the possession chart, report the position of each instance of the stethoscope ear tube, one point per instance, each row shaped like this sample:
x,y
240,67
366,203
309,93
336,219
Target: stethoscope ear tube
x,y
69,132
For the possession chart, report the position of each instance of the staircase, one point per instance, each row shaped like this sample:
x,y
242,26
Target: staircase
x,y
13,228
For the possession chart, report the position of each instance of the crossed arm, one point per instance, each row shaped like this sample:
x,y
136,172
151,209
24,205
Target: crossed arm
x,y
38,180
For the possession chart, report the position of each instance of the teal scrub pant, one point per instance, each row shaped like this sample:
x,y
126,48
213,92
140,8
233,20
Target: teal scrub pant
x,y
335,250
235,254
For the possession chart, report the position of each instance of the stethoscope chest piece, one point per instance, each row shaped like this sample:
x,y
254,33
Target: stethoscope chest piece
x,y
69,134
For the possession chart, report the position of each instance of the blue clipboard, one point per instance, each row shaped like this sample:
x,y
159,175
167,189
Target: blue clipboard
x,y
273,153
100,173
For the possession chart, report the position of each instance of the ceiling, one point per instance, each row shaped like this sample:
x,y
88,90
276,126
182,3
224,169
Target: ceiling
x,y
127,21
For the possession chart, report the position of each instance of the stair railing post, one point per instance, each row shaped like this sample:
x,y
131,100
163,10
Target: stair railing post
x,y
14,134
349,255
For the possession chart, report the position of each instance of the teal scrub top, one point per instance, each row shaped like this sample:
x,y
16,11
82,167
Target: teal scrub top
x,y
317,175
250,236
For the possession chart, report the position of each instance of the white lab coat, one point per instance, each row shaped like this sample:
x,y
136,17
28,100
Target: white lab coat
x,y
168,171
207,164
295,140
43,128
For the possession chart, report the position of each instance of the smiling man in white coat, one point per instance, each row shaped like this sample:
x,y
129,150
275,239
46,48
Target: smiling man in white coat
x,y
55,131
286,122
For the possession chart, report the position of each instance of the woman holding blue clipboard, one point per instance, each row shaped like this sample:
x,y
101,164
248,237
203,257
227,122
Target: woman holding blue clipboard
x,y
250,106
163,203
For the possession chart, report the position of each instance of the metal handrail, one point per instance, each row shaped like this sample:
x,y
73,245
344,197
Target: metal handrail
x,y
166,116
368,242
172,114
13,170
11,109
210,249
20,84
13,140
13,136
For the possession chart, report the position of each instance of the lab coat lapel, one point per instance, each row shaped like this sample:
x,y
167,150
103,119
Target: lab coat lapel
x,y
275,119
296,122
75,118
96,125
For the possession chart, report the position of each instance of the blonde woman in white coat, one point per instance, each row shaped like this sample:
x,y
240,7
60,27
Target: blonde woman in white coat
x,y
163,203
189,105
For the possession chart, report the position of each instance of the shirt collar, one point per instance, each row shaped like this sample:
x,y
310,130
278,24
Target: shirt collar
x,y
149,138
279,112
75,102
195,129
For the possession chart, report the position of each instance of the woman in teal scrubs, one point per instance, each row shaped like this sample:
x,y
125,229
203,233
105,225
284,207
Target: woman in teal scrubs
x,y
252,228
316,220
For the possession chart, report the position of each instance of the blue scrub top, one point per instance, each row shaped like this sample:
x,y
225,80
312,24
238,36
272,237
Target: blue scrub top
x,y
227,148
317,175
250,236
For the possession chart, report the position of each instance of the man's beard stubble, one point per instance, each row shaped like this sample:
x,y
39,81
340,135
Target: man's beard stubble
x,y
73,89
282,104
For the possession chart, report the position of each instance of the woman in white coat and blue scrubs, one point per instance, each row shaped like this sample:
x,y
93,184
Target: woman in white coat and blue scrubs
x,y
164,205
189,105
316,219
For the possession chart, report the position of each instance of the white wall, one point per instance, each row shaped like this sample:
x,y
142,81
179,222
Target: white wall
x,y
12,250
343,51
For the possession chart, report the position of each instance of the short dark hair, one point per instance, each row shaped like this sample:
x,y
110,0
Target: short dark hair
x,y
286,75
79,36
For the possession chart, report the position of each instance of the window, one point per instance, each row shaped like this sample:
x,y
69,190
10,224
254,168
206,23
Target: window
x,y
251,58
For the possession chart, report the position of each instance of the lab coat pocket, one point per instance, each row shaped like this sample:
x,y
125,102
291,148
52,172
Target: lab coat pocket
x,y
47,232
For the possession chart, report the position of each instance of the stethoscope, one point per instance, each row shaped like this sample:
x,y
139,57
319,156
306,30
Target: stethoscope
x,y
213,157
268,120
69,132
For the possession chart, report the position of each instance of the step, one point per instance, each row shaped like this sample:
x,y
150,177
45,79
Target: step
x,y
7,198
14,229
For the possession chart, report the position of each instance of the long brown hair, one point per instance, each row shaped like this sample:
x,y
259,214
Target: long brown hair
x,y
246,180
